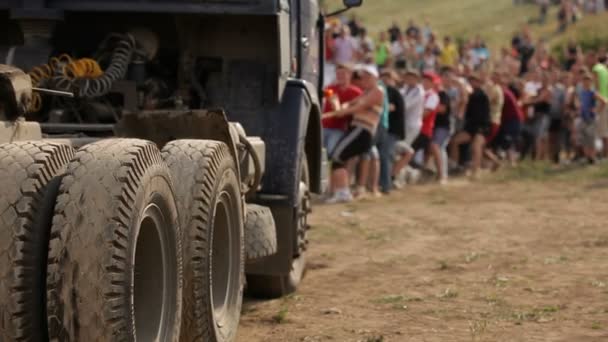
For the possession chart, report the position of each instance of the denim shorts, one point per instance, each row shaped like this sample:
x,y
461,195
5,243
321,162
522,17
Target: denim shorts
x,y
331,137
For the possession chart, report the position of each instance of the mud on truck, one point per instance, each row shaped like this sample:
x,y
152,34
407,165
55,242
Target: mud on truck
x,y
157,159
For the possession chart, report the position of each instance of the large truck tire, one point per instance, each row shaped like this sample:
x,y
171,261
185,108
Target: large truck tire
x,y
29,179
277,286
114,267
211,214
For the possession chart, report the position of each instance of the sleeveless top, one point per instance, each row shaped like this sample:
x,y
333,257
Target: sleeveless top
x,y
369,118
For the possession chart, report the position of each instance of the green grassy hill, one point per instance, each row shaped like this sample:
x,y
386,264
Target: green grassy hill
x,y
494,20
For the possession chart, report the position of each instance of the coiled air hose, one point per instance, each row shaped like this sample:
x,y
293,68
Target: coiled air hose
x,y
122,54
85,77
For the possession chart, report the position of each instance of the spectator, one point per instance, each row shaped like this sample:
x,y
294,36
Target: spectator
x,y
424,139
399,50
383,51
510,123
556,116
413,96
412,29
591,102
365,112
601,85
442,134
396,129
540,106
335,127
394,32
496,97
354,25
345,47
449,53
477,125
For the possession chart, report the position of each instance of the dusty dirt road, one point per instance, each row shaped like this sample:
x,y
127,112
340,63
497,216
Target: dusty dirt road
x,y
505,259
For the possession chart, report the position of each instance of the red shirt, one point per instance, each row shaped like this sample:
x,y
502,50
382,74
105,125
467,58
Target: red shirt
x,y
344,95
431,103
511,109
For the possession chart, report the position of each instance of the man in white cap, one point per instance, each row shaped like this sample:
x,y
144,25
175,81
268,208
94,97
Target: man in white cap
x,y
365,112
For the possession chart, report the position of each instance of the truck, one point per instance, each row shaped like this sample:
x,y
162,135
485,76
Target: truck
x,y
157,159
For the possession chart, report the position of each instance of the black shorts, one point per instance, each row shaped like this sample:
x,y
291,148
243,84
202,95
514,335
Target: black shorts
x,y
355,142
556,125
473,129
422,142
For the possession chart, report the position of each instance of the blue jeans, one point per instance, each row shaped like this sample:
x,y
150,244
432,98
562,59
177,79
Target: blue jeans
x,y
386,145
441,137
331,137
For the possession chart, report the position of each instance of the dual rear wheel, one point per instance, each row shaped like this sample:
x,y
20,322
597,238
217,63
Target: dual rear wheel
x,y
92,243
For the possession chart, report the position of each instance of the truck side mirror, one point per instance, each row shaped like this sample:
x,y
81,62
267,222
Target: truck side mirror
x,y
348,4
352,3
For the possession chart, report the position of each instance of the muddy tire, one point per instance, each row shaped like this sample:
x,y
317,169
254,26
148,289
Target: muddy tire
x,y
114,266
212,219
271,286
260,232
29,179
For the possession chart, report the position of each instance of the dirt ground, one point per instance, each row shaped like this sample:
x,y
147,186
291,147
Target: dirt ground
x,y
522,256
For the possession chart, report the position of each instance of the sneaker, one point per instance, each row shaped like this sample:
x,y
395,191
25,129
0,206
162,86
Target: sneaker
x,y
340,197
398,184
360,192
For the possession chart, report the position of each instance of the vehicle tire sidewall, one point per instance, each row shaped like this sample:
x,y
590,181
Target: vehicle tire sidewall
x,y
228,184
160,195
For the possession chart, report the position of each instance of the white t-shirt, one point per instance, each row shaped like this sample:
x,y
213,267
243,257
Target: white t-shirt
x,y
345,49
432,101
398,49
531,88
414,107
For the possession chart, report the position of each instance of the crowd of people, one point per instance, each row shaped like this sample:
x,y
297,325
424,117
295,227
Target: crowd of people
x,y
406,104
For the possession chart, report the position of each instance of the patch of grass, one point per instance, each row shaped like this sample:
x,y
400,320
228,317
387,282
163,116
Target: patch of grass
x,y
390,299
478,329
439,201
472,257
538,314
495,300
545,171
596,326
448,294
443,265
397,301
375,339
556,260
281,316
376,236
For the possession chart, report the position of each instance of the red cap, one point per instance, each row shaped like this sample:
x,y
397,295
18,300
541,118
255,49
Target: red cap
x,y
433,77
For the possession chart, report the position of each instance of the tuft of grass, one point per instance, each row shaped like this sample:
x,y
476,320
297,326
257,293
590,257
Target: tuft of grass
x,y
596,326
478,329
390,299
396,299
448,294
375,339
538,314
281,316
472,257
443,265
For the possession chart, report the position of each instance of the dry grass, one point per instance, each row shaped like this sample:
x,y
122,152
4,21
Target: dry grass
x,y
495,20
